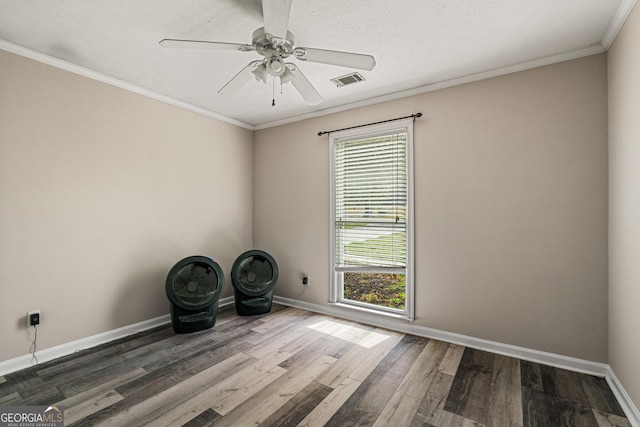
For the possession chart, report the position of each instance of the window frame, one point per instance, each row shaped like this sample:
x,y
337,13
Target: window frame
x,y
336,289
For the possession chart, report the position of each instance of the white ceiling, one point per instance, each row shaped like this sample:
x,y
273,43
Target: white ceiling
x,y
418,45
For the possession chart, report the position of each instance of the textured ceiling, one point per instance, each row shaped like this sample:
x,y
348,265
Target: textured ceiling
x,y
416,43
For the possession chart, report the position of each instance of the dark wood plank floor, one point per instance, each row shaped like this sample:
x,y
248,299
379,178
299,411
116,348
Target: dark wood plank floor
x,y
296,368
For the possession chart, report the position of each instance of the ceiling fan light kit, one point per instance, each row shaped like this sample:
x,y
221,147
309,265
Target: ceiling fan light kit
x,y
276,44
276,67
261,72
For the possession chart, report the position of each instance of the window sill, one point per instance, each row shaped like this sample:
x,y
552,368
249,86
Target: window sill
x,y
373,311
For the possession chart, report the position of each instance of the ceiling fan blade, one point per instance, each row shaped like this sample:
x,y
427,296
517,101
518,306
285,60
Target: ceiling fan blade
x,y
238,80
304,87
334,57
276,17
203,44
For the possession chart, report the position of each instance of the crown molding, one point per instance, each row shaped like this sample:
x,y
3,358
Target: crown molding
x,y
549,60
618,21
94,75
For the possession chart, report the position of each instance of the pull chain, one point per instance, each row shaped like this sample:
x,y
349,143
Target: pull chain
x,y
273,87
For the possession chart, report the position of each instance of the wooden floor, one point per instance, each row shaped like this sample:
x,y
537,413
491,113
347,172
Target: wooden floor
x,y
293,367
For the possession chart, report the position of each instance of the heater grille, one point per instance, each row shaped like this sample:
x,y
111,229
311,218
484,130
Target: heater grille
x,y
347,79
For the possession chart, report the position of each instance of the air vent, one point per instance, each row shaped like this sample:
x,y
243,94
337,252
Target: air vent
x,y
347,79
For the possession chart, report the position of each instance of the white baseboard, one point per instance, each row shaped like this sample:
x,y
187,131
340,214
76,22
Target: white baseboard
x,y
630,410
61,350
550,359
65,349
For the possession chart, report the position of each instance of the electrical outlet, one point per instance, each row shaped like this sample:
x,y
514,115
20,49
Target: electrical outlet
x,y
33,318
305,279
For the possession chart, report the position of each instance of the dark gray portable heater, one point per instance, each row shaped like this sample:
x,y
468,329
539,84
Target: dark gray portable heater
x,y
193,287
254,275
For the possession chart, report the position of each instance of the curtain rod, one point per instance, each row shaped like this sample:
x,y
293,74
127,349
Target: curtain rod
x,y
369,124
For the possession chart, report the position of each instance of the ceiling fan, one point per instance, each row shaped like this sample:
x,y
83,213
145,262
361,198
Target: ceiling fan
x,y
276,44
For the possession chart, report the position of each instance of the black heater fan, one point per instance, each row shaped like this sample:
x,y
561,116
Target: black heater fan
x,y
193,287
254,275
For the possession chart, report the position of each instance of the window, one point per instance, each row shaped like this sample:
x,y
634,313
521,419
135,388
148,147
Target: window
x,y
371,218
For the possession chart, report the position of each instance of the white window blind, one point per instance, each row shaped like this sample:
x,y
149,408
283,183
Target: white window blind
x,y
370,190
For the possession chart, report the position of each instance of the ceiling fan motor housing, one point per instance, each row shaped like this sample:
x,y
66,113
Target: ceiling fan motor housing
x,y
267,45
193,287
254,275
275,43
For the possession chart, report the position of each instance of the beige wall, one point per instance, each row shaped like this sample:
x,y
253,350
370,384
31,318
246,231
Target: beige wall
x,y
510,204
624,206
101,192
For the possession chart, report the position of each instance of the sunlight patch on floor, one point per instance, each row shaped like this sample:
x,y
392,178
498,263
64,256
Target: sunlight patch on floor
x,y
354,334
